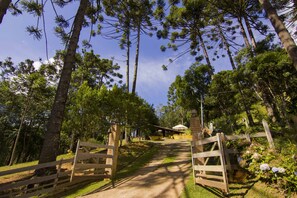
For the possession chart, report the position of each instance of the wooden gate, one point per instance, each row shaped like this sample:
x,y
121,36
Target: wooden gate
x,y
97,161
211,162
209,167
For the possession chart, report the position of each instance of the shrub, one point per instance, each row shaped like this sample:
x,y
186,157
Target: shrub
x,y
276,167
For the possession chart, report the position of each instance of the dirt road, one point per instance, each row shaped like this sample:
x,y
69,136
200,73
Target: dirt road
x,y
156,179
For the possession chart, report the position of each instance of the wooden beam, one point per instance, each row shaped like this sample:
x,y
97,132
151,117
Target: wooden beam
x,y
34,167
207,154
211,183
75,160
268,134
113,142
260,134
214,168
93,145
210,176
223,160
205,141
90,166
84,156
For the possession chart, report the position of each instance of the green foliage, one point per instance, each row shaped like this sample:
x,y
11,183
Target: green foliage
x,y
263,84
186,91
171,115
26,93
282,163
29,92
96,101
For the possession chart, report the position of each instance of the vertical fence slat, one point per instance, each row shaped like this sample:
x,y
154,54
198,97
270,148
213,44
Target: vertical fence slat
x,y
268,134
222,159
75,160
58,172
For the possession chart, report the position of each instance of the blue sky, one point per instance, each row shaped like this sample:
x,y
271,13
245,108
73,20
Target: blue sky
x,y
153,82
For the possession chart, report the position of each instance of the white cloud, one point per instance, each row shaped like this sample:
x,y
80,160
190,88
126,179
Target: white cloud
x,y
37,64
153,82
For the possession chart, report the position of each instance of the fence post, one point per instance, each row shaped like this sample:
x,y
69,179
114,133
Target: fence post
x,y
195,127
248,137
58,172
74,161
113,140
220,140
268,134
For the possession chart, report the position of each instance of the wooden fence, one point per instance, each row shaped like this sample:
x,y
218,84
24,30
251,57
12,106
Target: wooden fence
x,y
207,169
212,163
32,185
88,163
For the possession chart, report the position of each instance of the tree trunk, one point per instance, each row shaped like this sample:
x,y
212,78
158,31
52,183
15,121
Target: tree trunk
x,y
250,31
246,108
205,53
243,33
227,47
128,60
271,107
71,147
127,135
19,130
4,4
51,143
281,30
136,59
16,141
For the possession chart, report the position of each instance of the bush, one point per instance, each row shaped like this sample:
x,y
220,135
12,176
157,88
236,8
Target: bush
x,y
276,167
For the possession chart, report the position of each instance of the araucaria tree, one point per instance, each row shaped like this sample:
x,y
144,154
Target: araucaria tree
x,y
50,146
281,30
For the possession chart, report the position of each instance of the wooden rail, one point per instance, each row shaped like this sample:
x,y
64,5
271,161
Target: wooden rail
x,y
35,185
82,161
86,163
35,167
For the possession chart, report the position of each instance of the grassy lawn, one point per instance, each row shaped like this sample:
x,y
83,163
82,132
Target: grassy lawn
x,y
192,191
250,189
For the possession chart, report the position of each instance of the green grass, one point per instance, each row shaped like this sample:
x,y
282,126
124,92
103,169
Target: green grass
x,y
21,165
193,191
250,189
138,163
261,189
169,159
80,191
